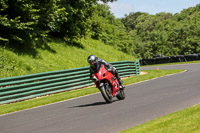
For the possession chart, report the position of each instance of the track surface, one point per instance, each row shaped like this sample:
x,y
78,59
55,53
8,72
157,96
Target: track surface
x,y
144,101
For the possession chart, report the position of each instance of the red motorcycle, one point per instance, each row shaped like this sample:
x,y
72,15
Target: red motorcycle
x,y
107,83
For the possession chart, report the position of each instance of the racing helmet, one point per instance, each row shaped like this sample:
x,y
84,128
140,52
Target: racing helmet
x,y
92,59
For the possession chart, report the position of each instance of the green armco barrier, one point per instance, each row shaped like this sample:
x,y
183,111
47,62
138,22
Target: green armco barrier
x,y
34,85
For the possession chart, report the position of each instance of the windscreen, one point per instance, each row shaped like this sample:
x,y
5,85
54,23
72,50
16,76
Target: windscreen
x,y
97,66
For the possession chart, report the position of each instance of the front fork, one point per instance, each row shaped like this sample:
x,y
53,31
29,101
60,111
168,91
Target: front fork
x,y
107,87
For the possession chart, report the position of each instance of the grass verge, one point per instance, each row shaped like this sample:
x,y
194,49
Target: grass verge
x,y
185,121
8,108
58,55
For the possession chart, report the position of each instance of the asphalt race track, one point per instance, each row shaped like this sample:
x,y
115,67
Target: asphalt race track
x,y
144,101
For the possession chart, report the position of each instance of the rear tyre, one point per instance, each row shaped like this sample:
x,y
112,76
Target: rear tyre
x,y
121,95
107,95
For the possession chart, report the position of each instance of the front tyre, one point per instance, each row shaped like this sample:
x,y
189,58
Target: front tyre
x,y
107,95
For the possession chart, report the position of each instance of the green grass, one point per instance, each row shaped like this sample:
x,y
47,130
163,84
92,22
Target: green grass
x,y
13,107
185,121
8,108
57,55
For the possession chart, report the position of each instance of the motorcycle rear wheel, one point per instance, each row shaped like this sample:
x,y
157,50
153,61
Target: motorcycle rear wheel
x,y
106,94
121,95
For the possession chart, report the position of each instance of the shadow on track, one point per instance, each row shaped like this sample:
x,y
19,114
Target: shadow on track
x,y
92,104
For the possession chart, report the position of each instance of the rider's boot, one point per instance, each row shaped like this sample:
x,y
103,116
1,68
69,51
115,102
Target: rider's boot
x,y
119,80
120,83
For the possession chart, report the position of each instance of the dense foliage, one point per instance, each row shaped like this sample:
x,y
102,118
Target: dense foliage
x,y
27,21
31,22
24,21
165,33
110,30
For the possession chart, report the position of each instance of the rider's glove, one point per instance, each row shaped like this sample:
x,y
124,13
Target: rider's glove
x,y
109,69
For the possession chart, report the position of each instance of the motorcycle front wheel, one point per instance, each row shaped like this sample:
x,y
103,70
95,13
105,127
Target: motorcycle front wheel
x,y
106,93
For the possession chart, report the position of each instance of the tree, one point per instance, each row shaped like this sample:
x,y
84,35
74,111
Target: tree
x,y
24,21
129,21
165,33
110,30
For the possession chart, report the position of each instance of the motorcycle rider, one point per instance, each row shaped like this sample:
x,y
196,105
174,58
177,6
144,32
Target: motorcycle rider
x,y
93,60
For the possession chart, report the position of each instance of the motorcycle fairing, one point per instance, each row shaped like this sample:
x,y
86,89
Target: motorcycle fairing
x,y
102,74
